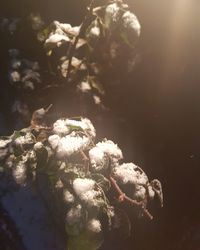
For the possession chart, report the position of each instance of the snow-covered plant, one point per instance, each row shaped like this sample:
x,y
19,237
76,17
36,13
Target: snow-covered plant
x,y
88,180
97,53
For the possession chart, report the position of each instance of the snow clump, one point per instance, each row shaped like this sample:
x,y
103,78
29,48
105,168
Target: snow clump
x,y
84,189
102,152
94,225
65,126
68,145
130,173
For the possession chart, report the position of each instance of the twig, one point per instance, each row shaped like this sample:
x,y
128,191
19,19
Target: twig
x,y
73,46
123,197
86,161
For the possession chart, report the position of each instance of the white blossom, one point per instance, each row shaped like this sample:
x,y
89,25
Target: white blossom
x,y
94,225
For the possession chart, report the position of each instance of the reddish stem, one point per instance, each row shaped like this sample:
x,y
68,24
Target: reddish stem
x,y
123,197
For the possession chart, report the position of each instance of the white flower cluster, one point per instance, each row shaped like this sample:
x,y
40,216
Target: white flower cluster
x,y
23,73
103,153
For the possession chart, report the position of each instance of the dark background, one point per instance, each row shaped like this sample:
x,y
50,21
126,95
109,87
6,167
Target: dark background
x,y
155,111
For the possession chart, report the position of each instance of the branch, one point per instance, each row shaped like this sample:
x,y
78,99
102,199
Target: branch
x,y
73,46
123,197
